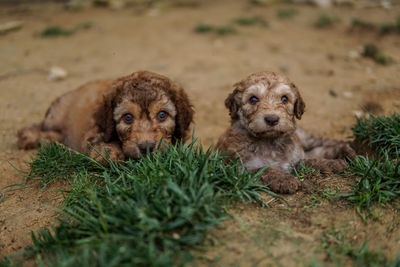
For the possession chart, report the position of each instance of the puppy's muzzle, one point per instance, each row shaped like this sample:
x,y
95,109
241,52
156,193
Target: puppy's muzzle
x,y
271,120
146,146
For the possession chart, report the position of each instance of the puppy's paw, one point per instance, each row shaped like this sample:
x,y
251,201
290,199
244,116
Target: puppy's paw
x,y
327,166
28,138
114,151
280,182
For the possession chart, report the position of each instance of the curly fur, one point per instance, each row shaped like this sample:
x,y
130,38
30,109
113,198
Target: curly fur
x,y
91,117
265,132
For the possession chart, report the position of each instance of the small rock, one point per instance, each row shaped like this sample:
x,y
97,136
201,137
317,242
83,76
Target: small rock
x,y
368,70
396,103
322,3
354,54
358,113
56,74
175,236
386,4
10,26
348,94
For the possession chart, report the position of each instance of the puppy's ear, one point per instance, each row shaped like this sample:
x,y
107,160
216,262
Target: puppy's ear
x,y
103,115
184,114
299,105
232,102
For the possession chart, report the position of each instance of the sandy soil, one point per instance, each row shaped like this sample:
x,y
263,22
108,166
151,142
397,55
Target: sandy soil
x,y
163,40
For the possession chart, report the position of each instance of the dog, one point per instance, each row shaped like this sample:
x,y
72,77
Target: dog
x,y
127,117
263,110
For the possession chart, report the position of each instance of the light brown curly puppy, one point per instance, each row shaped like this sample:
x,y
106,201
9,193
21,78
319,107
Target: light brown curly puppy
x,y
127,116
263,108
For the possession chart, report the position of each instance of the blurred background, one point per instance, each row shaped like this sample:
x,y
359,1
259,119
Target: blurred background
x,y
342,54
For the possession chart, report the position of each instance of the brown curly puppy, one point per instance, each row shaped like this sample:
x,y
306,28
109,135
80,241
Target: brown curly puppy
x,y
127,117
263,108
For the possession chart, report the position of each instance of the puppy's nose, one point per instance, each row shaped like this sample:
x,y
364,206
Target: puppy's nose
x,y
271,120
143,146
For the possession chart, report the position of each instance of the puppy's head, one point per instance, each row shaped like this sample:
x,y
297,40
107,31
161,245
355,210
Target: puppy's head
x,y
266,104
144,108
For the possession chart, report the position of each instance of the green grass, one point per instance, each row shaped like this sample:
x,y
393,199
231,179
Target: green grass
x,y
325,21
362,25
382,28
378,177
381,133
145,213
55,31
301,171
224,30
249,21
371,51
378,182
286,13
339,250
204,28
220,30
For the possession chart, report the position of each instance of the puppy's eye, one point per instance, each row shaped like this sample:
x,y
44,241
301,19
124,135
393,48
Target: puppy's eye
x,y
284,99
253,100
162,115
128,118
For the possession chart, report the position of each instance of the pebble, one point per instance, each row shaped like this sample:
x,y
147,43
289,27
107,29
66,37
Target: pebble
x,y
358,113
10,26
348,94
354,54
56,74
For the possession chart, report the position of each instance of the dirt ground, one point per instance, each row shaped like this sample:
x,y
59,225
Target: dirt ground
x,y
333,82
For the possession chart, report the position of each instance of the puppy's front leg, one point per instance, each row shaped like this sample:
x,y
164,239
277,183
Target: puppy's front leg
x,y
280,182
98,152
327,165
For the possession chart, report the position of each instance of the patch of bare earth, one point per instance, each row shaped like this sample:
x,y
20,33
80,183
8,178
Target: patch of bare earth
x,y
163,40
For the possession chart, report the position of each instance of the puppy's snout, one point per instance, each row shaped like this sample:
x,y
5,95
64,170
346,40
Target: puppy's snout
x,y
143,146
271,120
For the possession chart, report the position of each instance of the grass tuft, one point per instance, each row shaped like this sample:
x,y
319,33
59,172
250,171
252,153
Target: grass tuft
x,y
362,25
204,28
142,213
249,21
325,21
55,31
286,13
371,51
381,133
378,177
378,182
382,28
224,30
339,250
220,30
301,171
